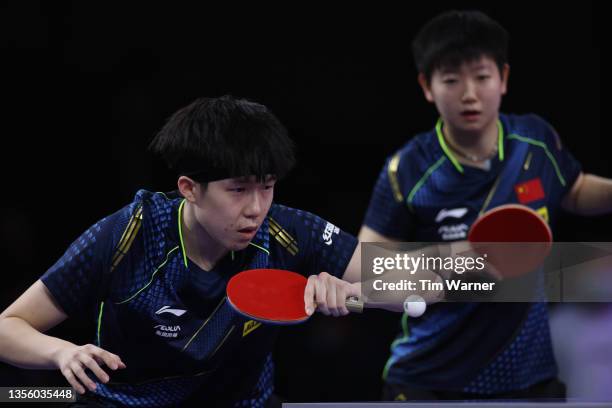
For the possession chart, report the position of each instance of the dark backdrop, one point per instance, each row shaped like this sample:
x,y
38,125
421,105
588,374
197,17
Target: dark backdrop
x,y
84,87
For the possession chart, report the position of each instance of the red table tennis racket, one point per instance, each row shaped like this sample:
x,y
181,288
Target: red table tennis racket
x,y
273,296
528,236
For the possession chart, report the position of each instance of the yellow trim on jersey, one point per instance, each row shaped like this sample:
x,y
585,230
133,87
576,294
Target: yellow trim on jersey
x,y
451,156
528,161
222,341
392,173
205,323
258,247
152,277
127,238
542,145
422,180
180,231
283,237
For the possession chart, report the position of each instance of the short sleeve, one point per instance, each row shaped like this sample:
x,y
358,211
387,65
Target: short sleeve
x,y
322,246
567,165
76,279
388,214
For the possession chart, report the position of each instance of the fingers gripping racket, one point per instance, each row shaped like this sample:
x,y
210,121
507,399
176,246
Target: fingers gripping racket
x,y
273,296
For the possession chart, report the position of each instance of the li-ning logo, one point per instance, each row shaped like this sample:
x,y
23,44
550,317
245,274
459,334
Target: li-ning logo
x,y
166,309
451,232
167,331
330,229
455,213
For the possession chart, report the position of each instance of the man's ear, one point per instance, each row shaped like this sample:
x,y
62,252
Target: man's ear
x,y
422,80
188,188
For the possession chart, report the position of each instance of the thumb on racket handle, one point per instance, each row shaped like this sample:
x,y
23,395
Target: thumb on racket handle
x,y
354,304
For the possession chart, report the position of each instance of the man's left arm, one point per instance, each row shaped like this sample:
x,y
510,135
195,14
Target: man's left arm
x,y
590,195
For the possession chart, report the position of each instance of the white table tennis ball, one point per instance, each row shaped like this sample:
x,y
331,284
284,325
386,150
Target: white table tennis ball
x,y
414,306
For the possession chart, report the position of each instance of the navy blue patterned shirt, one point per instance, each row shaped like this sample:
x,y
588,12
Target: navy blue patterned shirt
x,y
424,194
169,320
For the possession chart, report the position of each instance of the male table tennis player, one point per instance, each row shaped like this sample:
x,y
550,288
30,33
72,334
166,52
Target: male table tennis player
x,y
153,274
435,187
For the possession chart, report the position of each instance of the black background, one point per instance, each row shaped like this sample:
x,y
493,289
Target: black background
x,y
84,88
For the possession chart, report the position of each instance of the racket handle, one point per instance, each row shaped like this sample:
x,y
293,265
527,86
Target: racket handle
x,y
354,304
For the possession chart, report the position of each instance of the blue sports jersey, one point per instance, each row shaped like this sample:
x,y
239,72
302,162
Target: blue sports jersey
x,y
424,194
169,320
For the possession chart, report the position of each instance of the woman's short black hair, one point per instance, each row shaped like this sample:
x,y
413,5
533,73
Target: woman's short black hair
x,y
455,37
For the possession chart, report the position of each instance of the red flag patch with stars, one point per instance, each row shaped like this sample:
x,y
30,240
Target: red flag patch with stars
x,y
529,191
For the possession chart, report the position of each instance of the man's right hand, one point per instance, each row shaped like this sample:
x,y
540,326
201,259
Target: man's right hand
x,y
74,360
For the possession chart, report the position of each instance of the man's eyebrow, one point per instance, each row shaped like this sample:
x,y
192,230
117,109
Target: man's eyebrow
x,y
241,179
247,179
449,70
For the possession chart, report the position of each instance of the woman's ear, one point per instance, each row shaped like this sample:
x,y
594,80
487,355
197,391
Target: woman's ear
x,y
422,79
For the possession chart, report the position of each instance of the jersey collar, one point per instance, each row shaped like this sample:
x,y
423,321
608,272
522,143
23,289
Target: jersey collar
x,y
261,237
451,156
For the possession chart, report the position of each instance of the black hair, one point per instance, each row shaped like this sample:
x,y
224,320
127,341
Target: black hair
x,y
455,37
217,138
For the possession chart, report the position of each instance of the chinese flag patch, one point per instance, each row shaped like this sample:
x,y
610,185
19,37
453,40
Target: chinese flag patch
x,y
529,191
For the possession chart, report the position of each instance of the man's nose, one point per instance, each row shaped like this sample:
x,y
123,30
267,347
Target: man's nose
x,y
254,207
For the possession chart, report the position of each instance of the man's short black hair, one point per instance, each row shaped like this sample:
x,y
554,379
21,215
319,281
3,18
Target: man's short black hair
x,y
216,138
455,37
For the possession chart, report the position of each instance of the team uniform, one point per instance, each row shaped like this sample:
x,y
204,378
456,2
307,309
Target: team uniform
x,y
424,194
169,320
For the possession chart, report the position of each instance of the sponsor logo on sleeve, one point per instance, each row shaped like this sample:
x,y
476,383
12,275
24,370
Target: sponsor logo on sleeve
x,y
330,230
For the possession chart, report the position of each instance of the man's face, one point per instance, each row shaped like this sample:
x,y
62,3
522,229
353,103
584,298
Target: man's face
x,y
468,97
232,210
